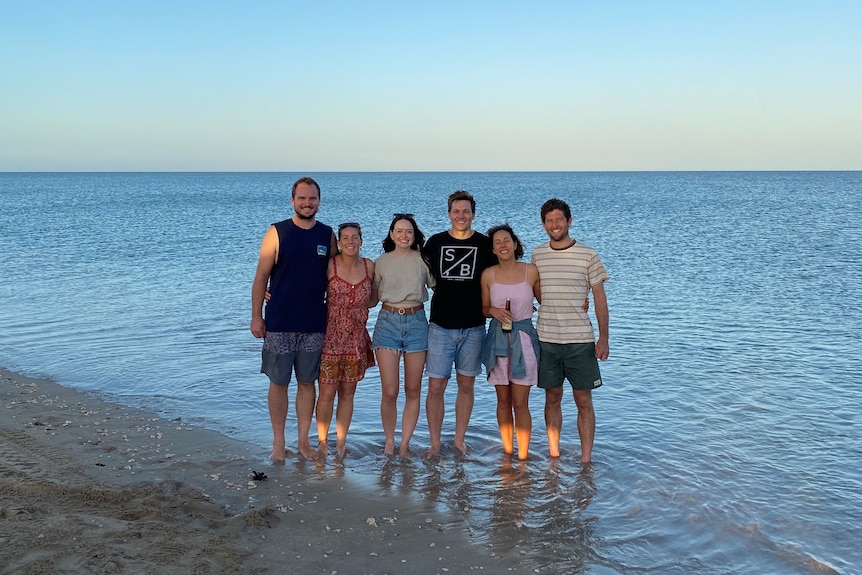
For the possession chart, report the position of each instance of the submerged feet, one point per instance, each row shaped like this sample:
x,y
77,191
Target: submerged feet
x,y
278,451
389,448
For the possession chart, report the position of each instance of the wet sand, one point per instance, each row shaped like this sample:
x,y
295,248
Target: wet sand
x,y
88,486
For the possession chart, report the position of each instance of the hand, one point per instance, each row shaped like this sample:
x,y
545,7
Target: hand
x,y
586,306
258,327
602,349
501,315
267,295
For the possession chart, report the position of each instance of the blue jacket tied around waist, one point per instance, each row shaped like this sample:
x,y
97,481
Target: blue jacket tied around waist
x,y
498,344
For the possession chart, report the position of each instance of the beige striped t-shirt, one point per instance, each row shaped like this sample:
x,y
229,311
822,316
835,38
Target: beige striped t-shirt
x,y
566,277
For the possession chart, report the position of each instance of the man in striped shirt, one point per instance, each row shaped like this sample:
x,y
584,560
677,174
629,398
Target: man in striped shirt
x,y
568,271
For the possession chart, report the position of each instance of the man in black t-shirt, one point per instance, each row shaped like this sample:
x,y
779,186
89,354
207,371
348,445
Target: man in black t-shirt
x,y
456,328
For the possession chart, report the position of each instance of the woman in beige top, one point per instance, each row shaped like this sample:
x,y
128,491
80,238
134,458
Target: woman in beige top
x,y
401,282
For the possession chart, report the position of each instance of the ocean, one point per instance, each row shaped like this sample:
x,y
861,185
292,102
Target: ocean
x,y
728,427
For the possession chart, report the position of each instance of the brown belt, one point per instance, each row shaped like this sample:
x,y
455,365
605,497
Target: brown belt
x,y
402,310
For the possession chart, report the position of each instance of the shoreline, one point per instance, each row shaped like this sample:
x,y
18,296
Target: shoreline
x,y
93,486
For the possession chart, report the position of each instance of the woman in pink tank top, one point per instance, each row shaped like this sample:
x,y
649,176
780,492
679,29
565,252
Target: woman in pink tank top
x,y
511,357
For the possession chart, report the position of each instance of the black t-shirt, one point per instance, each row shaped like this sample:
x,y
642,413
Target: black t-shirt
x,y
457,265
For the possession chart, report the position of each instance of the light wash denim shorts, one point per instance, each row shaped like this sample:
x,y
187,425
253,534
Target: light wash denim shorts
x,y
463,347
407,333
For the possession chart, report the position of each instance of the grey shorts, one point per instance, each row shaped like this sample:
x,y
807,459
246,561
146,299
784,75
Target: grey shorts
x,y
287,352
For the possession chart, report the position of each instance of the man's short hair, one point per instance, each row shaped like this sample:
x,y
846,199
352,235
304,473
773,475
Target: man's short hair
x,y
461,195
305,180
556,204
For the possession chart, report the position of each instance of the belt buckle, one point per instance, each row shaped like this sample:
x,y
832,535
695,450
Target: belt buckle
x,y
402,311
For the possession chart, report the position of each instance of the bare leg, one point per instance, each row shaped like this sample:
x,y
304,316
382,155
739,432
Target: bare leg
x,y
277,401
553,419
435,410
586,423
504,417
388,366
414,363
463,409
304,405
523,419
343,415
323,414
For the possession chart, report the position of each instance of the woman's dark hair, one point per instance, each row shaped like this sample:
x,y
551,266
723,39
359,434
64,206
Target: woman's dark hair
x,y
519,247
418,237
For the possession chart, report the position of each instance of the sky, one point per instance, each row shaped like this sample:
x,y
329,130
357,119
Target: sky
x,y
430,86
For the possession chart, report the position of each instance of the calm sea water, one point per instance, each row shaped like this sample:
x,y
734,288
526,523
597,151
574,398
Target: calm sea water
x,y
729,437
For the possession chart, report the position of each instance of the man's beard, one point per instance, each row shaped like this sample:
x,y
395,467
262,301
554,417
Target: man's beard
x,y
303,216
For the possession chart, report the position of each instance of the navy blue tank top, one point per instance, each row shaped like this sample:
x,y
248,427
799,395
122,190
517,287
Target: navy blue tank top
x,y
298,280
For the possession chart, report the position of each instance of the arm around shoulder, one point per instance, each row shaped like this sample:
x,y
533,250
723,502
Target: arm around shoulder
x,y
373,297
534,281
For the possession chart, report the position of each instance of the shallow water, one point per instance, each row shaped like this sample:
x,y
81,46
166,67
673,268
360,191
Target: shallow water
x,y
728,435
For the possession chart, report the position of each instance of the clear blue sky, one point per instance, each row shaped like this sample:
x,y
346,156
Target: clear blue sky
x,y
313,86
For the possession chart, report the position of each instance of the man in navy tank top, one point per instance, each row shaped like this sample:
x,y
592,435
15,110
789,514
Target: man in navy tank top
x,y
292,265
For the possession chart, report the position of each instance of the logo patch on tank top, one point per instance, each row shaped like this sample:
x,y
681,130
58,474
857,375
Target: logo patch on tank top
x,y
321,250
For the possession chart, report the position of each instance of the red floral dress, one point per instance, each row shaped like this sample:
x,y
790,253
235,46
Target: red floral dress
x,y
346,345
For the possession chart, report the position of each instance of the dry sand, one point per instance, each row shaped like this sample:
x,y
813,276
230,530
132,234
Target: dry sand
x,y
93,487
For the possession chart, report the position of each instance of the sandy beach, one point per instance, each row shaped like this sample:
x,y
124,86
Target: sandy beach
x,y
88,486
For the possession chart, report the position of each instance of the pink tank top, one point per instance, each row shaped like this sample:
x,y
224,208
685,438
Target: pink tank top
x,y
520,296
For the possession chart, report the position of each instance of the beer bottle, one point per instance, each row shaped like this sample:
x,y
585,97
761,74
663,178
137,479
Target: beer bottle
x,y
507,326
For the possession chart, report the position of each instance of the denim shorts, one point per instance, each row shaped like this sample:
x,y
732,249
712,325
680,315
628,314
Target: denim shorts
x,y
573,361
407,333
463,347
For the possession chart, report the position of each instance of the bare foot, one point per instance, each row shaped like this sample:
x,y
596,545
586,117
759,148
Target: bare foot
x,y
307,452
432,452
278,451
341,449
389,448
404,449
322,448
461,446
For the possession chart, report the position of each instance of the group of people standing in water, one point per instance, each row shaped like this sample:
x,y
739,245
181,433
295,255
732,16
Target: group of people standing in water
x,y
317,290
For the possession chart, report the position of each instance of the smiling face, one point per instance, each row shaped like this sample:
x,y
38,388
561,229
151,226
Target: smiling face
x,y
402,234
461,215
503,245
305,201
556,225
349,240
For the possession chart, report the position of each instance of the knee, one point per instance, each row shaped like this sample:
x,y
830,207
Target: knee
x,y
553,397
346,391
436,389
466,384
520,405
584,401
